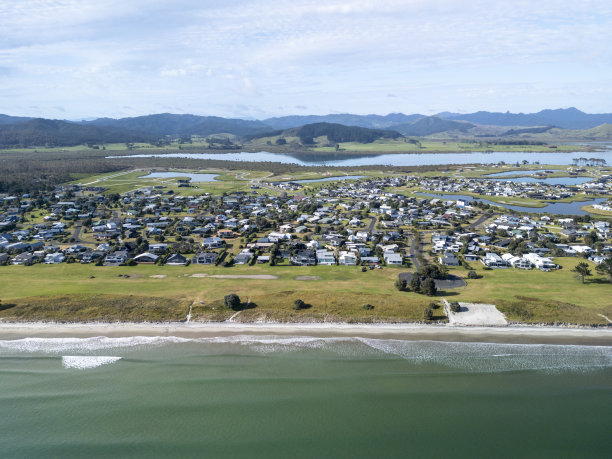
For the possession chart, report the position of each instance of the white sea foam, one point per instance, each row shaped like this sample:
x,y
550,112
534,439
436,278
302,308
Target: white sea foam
x,y
60,345
84,362
475,357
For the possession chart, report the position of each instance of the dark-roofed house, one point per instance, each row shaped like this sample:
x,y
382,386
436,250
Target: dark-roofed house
x,y
177,259
146,258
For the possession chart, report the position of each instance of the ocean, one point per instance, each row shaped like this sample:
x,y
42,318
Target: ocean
x,y
294,397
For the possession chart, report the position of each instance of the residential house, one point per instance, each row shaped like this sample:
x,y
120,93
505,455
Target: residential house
x,y
205,258
177,259
492,260
147,258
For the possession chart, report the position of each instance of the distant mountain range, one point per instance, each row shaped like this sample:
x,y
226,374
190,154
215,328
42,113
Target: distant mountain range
x,y
24,131
568,118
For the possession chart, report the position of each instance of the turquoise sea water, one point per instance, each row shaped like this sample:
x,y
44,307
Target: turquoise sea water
x,y
285,397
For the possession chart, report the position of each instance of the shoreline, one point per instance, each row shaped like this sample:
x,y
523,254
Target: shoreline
x,y
515,334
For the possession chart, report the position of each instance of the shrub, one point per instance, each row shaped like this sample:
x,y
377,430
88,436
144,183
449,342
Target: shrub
x,y
455,307
299,304
232,301
367,306
472,275
428,313
400,284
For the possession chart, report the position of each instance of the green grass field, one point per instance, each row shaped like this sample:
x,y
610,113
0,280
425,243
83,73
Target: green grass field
x,y
541,297
336,293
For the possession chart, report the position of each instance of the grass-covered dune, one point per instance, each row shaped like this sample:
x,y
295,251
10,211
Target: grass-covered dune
x,y
75,292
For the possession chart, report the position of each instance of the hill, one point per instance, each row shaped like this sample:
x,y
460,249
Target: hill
x,y
569,118
6,119
336,133
366,121
164,124
43,132
431,125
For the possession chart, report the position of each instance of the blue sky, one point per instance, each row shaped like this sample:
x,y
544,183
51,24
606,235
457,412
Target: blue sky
x,y
254,59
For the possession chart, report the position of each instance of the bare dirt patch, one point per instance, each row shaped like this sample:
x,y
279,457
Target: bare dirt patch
x,y
476,314
307,278
158,276
245,276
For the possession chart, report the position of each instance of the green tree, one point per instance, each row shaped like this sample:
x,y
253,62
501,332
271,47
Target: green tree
x,y
415,283
232,301
428,287
400,284
582,270
605,268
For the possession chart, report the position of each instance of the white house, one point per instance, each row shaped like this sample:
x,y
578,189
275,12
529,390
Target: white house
x,y
392,258
492,260
347,258
54,258
542,263
325,257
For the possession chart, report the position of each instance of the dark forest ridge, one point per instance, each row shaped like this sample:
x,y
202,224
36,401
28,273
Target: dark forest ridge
x,y
24,131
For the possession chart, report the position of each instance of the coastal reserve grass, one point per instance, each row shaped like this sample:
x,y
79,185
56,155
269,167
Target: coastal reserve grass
x,y
333,293
533,296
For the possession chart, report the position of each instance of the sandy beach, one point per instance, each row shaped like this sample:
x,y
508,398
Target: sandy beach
x,y
415,332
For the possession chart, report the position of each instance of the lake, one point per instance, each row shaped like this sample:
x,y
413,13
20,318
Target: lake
x,y
559,208
567,181
332,179
302,397
399,159
193,176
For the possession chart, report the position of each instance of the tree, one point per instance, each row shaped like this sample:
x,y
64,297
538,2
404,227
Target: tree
x,y
415,283
605,268
232,301
400,284
428,287
582,270
428,313
591,238
472,275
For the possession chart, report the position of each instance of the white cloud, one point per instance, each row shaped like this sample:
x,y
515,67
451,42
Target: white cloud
x,y
268,53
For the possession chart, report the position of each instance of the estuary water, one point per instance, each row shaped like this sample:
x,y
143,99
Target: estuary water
x,y
556,208
279,397
191,175
396,159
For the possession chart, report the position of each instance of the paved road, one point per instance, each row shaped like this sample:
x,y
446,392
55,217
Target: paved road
x,y
414,253
371,226
482,219
77,232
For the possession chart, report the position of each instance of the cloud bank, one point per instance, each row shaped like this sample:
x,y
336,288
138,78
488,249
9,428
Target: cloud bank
x,y
272,57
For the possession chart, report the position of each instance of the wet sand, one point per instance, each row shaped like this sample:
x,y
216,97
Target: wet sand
x,y
415,332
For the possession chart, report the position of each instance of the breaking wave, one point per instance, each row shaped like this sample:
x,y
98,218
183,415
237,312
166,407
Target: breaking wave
x,y
471,357
84,362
